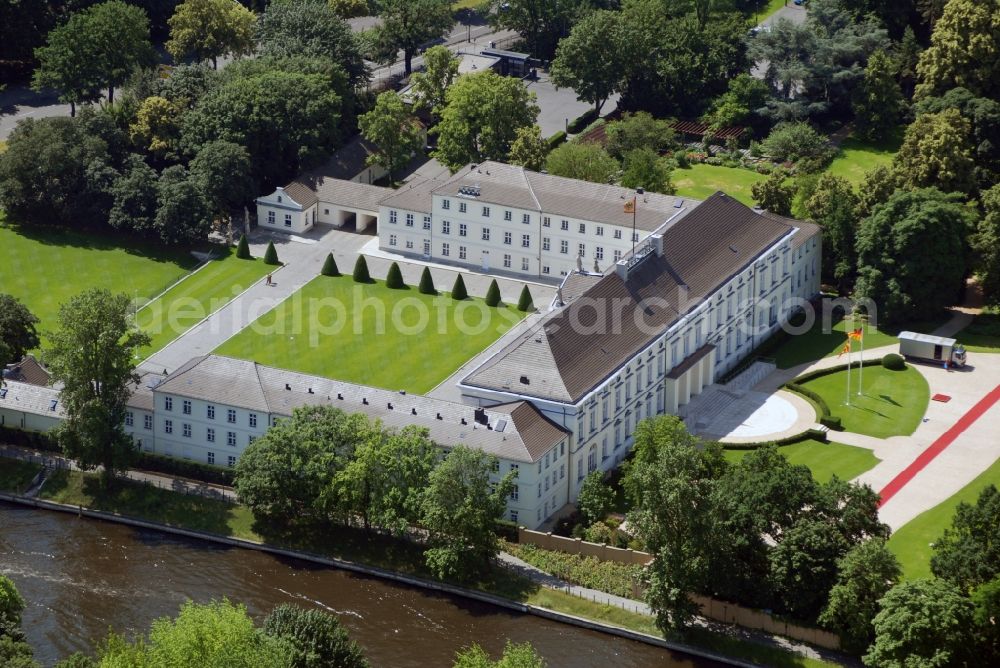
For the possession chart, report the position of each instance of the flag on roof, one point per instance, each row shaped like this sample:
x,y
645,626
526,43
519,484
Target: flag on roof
x,y
630,206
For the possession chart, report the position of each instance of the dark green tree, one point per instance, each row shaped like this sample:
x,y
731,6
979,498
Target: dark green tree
x,y
431,85
967,554
182,214
407,25
986,244
804,566
271,255
317,638
797,142
493,294
311,28
669,482
773,194
330,266
243,248
119,35
394,132
524,302
834,206
69,63
596,499
11,602
458,291
481,118
427,283
586,161
529,149
912,255
643,168
221,170
361,274
922,623
135,198
17,329
983,115
590,60
864,576
986,612
635,131
879,184
541,23
394,278
93,354
287,476
460,511
964,51
740,104
878,100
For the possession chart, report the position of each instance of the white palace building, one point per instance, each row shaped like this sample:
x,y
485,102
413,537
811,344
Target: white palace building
x,y
629,336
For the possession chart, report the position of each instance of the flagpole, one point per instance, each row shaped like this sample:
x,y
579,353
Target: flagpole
x,y
848,372
861,363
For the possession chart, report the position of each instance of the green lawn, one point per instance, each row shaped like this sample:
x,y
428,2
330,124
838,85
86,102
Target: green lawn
x,y
699,181
824,459
912,542
16,475
369,334
892,402
203,292
857,156
983,335
44,268
817,344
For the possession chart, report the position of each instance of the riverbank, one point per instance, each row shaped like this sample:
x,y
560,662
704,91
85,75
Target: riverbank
x,y
190,514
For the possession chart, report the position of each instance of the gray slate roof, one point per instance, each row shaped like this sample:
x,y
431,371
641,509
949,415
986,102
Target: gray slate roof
x,y
526,433
509,185
574,349
414,196
28,398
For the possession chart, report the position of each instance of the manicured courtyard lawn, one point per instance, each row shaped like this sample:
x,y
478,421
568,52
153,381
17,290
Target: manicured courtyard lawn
x,y
369,334
44,268
699,181
203,292
16,475
892,403
912,542
824,459
817,343
857,156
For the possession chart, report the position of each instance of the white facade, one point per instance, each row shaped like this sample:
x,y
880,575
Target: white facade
x,y
279,211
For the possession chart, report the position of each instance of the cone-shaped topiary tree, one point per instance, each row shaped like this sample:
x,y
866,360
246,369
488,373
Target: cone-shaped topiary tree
x,y
493,294
458,291
427,283
524,302
330,266
394,279
243,249
271,255
361,274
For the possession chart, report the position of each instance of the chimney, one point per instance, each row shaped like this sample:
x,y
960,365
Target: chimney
x,y
657,240
288,387
480,416
311,391
621,268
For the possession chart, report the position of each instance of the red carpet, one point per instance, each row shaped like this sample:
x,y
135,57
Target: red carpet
x,y
938,446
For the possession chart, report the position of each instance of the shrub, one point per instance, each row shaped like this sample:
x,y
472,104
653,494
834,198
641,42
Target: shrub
x,y
682,159
582,121
524,302
330,266
458,291
806,392
271,255
243,249
427,283
598,532
315,636
894,362
794,141
556,139
394,279
832,422
609,576
361,274
493,294
507,530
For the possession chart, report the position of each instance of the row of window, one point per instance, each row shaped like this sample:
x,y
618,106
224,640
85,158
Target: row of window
x,y
168,427
288,218
230,460
463,207
168,405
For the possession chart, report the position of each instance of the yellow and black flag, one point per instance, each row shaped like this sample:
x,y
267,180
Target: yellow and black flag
x,y
630,206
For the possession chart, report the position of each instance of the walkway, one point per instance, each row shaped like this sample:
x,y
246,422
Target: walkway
x,y
921,470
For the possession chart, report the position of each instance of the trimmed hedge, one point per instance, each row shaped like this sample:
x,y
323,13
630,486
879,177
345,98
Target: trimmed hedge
x,y
894,362
493,294
271,255
361,274
806,377
427,283
29,439
524,302
506,530
394,279
330,266
814,434
582,121
832,422
458,291
806,392
243,249
556,139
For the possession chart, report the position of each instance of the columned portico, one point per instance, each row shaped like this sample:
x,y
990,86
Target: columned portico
x,y
689,378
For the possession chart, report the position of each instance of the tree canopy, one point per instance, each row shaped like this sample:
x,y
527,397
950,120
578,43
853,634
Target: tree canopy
x,y
396,134
17,329
585,161
590,59
208,29
967,554
937,153
964,50
430,85
407,25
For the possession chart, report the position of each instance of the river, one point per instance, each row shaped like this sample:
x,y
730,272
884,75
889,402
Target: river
x,y
82,576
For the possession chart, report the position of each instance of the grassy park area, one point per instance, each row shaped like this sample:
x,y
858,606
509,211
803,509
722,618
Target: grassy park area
x,y
856,157
892,403
44,268
699,181
370,334
824,459
203,292
912,542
